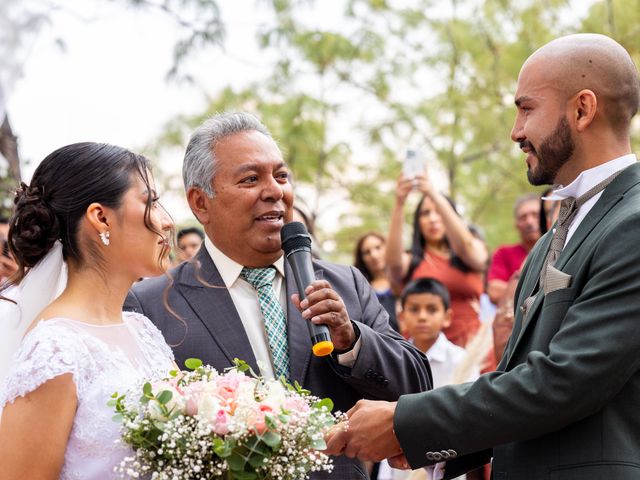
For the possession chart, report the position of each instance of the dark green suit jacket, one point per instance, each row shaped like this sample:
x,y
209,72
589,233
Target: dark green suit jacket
x,y
565,401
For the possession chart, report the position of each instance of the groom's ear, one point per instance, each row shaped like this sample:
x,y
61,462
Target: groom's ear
x,y
98,217
199,204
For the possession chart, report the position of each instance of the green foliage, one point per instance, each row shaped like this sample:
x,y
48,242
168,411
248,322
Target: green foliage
x,y
438,74
192,363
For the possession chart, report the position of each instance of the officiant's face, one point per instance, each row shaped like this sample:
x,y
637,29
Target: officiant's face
x,y
252,201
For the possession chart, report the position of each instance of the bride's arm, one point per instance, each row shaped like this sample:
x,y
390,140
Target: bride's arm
x,y
34,431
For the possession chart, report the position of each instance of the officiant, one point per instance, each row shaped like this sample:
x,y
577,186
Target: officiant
x,y
237,296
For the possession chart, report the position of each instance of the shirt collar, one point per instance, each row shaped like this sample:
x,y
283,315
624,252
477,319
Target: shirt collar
x,y
591,177
438,351
230,269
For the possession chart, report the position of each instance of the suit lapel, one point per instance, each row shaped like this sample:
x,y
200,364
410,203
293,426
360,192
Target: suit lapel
x,y
297,331
202,287
610,196
529,285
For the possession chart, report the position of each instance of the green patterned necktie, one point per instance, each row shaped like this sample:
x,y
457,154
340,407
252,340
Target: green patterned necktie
x,y
274,318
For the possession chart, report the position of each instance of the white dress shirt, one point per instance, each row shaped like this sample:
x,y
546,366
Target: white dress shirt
x,y
245,299
445,358
584,182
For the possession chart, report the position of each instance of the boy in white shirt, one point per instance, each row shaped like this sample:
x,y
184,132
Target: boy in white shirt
x,y
425,313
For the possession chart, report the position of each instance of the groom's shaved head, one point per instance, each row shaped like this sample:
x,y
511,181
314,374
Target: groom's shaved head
x,y
597,63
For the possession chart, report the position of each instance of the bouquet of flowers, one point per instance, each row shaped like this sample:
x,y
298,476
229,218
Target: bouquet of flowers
x,y
202,424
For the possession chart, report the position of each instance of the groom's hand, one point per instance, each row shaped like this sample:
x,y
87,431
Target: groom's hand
x,y
323,305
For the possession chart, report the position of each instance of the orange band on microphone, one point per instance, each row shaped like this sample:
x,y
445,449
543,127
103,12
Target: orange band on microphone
x,y
322,349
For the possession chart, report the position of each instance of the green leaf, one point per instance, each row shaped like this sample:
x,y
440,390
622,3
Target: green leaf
x,y
146,389
173,373
256,460
221,448
193,363
319,444
270,422
165,397
284,418
118,417
272,439
241,475
236,461
325,402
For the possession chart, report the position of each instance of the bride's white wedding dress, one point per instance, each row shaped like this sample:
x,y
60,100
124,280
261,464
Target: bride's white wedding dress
x,y
102,360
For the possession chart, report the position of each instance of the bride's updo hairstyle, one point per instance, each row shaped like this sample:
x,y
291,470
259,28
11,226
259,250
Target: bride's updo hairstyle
x,y
61,189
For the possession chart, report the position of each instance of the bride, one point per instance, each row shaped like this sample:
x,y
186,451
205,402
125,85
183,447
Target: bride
x,y
93,205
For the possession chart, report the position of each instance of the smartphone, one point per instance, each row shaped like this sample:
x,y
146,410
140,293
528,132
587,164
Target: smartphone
x,y
413,163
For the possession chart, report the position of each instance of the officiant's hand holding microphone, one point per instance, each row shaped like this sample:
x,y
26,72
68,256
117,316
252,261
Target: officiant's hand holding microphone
x,y
330,326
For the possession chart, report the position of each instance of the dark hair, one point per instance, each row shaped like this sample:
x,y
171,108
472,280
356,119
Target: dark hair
x,y
426,285
308,217
357,254
65,183
419,242
189,231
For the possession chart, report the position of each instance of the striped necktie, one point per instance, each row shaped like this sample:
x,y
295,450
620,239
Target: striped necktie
x,y
275,321
568,210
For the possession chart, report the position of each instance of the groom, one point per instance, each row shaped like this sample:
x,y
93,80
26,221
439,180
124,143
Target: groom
x,y
563,404
213,307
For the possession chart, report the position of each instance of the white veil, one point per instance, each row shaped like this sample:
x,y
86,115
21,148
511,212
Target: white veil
x,y
41,286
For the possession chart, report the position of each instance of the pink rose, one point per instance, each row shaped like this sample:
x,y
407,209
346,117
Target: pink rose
x,y
296,404
258,423
219,423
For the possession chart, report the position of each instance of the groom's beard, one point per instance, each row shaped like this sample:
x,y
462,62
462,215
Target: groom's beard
x,y
553,153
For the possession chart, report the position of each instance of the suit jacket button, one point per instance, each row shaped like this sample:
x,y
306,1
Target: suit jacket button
x,y
429,455
385,382
437,456
452,453
445,454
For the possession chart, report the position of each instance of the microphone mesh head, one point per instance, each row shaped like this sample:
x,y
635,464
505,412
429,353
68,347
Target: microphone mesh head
x,y
294,236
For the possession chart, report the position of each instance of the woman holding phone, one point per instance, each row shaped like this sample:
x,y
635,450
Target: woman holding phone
x,y
443,247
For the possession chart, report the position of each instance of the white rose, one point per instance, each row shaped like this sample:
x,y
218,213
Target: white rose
x,y
208,407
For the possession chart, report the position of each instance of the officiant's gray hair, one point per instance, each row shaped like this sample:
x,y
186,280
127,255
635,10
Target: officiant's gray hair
x,y
200,163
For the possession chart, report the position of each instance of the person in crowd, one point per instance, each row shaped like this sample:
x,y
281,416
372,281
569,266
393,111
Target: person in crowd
x,y
503,321
301,214
426,311
90,210
8,265
371,260
563,403
189,242
444,248
507,259
549,210
238,297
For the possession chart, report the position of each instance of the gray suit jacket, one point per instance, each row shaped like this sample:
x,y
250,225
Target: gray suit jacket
x,y
210,329
564,403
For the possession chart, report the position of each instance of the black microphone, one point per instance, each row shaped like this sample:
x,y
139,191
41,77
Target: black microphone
x,y
296,243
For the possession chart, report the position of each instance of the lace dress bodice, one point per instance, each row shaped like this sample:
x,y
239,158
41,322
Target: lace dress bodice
x,y
102,360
